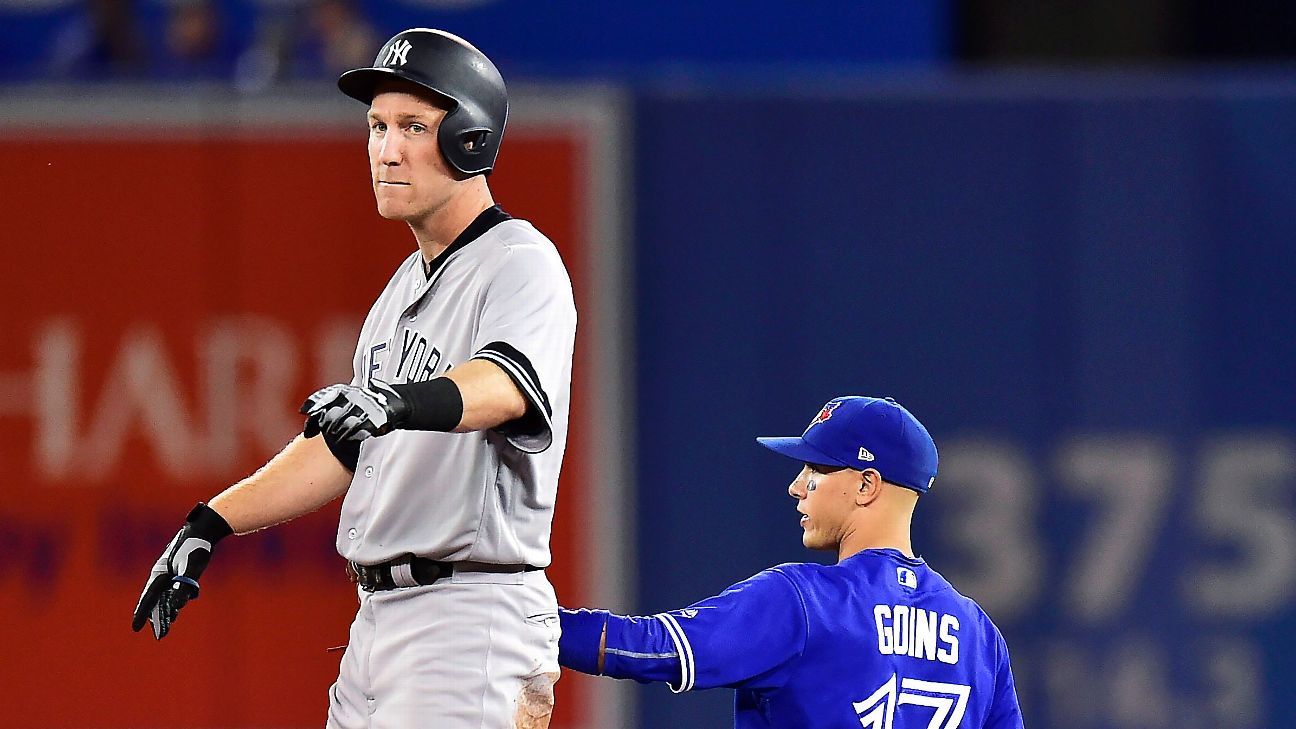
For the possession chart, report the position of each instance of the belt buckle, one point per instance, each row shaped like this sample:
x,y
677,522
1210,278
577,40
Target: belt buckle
x,y
362,576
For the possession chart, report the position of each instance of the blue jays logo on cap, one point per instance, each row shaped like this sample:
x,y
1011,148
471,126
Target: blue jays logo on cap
x,y
862,433
824,413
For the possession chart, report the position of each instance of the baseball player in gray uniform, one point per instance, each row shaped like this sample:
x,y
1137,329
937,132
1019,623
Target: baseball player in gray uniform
x,y
448,439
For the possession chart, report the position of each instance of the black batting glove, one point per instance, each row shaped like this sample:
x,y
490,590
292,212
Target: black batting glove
x,y
346,413
173,581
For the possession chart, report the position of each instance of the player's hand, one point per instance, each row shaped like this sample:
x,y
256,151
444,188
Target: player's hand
x,y
349,413
174,579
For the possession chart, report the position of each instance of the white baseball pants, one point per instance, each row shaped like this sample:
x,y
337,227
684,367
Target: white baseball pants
x,y
467,652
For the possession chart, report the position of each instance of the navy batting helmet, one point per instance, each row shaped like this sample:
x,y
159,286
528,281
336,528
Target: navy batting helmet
x,y
462,76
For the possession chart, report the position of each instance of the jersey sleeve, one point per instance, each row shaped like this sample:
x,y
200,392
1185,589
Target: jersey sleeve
x,y
527,327
1005,712
745,637
638,647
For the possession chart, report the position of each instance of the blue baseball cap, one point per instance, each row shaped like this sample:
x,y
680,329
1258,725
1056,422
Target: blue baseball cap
x,y
866,432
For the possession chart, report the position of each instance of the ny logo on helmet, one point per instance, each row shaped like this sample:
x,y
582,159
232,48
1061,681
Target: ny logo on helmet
x,y
396,53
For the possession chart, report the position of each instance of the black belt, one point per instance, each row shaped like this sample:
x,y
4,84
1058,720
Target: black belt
x,y
415,571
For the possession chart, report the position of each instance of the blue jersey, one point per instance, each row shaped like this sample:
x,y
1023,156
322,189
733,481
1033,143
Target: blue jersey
x,y
878,641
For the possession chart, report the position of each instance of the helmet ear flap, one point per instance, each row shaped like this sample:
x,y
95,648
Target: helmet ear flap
x,y
468,150
474,141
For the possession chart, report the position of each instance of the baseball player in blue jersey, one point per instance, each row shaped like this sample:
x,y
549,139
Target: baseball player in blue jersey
x,y
878,640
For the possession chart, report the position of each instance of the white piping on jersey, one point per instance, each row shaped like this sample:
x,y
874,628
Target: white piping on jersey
x,y
632,654
688,672
533,387
507,351
532,391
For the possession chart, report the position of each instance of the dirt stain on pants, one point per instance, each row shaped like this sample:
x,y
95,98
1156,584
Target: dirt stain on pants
x,y
535,702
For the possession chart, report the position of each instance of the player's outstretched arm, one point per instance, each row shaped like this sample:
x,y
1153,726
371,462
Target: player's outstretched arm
x,y
705,645
302,478
584,646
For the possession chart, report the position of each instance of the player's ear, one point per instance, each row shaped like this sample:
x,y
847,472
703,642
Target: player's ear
x,y
870,487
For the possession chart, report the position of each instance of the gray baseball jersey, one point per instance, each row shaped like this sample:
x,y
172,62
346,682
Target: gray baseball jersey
x,y
500,292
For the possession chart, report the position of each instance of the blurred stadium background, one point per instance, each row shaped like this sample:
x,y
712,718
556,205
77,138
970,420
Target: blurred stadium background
x,y
1061,233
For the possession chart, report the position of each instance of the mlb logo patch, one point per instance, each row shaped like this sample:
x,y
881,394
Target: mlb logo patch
x,y
907,578
823,414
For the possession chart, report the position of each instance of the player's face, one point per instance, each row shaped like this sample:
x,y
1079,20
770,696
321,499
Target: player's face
x,y
411,180
825,499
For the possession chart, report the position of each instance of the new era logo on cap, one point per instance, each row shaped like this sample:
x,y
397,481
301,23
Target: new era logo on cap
x,y
864,454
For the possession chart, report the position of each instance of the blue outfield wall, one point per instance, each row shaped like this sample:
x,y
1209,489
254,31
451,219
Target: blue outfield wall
x,y
1082,284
